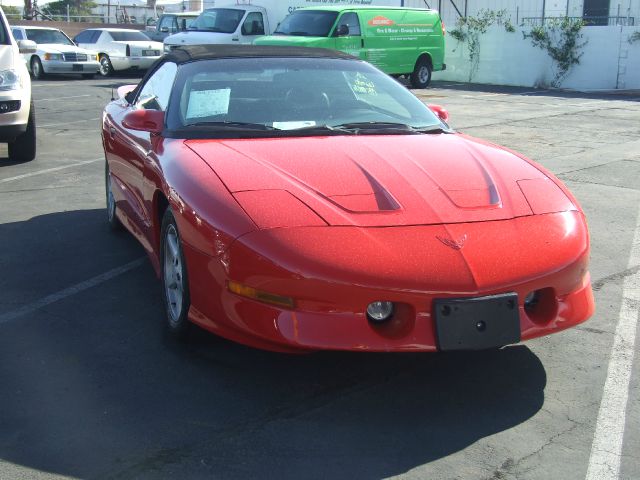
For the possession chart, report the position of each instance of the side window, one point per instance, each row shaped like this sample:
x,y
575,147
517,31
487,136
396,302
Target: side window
x,y
168,23
95,34
155,93
83,37
350,19
253,24
17,34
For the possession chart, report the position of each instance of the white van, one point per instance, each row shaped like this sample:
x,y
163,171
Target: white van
x,y
17,115
244,21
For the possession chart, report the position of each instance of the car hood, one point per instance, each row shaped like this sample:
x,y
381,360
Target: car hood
x,y
294,40
57,48
7,56
379,180
198,38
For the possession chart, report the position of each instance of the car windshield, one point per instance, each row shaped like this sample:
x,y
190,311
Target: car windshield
x,y
224,20
311,96
40,35
308,23
129,36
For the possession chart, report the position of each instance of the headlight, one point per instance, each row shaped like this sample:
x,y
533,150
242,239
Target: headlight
x,y
10,80
53,56
167,48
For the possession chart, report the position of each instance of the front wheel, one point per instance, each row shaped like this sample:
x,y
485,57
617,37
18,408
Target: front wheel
x,y
175,284
36,68
106,68
421,76
23,148
112,219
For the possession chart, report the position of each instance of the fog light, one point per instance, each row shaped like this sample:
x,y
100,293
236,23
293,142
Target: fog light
x,y
379,311
531,300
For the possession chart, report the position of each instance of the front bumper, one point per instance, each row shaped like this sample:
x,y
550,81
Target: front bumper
x,y
14,123
126,63
333,279
60,67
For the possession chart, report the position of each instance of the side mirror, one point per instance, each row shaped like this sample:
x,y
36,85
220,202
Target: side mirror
x,y
151,121
440,111
342,30
27,46
164,29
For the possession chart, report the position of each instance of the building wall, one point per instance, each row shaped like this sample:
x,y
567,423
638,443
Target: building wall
x,y
608,62
519,9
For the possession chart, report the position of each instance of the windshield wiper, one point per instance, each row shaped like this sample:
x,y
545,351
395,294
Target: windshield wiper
x,y
389,127
229,125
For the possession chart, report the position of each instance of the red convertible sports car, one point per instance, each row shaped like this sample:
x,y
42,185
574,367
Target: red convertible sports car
x,y
300,199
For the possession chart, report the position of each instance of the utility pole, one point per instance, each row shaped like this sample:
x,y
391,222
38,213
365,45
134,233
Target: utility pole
x,y
27,9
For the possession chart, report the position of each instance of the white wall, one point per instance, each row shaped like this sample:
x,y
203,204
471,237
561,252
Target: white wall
x,y
517,9
608,62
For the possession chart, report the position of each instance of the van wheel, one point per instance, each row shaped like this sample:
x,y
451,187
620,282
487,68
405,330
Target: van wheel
x,y
421,76
23,148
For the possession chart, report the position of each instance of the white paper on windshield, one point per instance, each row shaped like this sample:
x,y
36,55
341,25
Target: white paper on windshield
x,y
207,103
293,125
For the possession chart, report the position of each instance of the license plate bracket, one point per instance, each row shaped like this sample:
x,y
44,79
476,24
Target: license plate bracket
x,y
77,67
477,323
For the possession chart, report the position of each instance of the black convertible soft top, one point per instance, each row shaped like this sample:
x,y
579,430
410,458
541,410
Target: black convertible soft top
x,y
189,53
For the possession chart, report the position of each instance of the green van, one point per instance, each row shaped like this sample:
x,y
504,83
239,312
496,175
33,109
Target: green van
x,y
399,41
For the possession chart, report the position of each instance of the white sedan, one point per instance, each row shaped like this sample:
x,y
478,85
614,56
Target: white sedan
x,y
56,53
120,48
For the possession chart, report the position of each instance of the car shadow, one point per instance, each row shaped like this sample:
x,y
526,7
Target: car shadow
x,y
93,388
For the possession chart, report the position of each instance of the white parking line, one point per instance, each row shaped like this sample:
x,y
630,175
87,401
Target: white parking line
x,y
48,170
38,100
68,123
67,292
606,449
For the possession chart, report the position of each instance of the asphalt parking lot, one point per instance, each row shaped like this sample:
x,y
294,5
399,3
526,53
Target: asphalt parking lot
x,y
90,387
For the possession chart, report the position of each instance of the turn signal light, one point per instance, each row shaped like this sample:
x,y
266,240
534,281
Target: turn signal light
x,y
259,295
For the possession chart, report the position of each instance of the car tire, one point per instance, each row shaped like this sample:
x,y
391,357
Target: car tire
x,y
106,68
36,68
174,278
23,148
88,76
421,76
112,218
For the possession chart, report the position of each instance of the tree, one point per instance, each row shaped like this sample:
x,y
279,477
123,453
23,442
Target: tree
x,y
76,7
9,10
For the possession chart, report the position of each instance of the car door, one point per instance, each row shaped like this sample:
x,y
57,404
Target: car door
x,y
168,25
348,34
87,39
138,149
251,27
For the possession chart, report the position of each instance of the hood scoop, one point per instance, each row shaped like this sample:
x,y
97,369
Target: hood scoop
x,y
379,200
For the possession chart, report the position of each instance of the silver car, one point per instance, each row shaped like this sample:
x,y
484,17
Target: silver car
x,y
120,48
